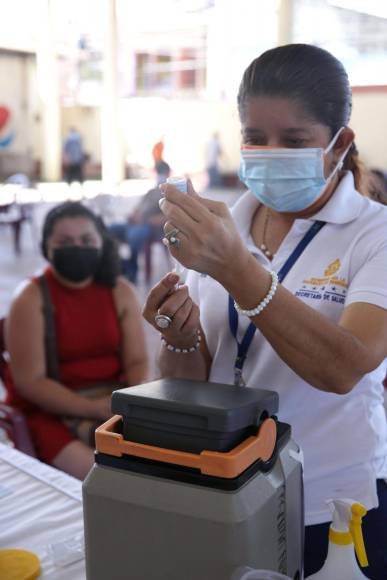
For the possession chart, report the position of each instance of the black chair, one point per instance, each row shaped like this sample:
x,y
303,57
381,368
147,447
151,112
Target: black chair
x,y
13,215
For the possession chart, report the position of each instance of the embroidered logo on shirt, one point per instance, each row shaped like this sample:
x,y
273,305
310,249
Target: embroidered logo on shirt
x,y
333,268
329,288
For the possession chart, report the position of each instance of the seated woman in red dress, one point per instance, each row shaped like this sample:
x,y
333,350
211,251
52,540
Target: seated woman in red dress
x,y
76,326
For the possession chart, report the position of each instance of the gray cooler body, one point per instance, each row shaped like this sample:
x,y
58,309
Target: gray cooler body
x,y
149,521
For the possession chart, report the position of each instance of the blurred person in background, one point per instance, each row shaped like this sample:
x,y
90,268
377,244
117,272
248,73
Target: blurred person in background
x,y
162,168
73,335
288,290
213,153
73,156
144,224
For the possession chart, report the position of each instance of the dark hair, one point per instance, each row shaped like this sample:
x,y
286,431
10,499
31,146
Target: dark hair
x,y
109,264
311,76
377,185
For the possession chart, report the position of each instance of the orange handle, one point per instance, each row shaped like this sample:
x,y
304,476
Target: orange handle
x,y
228,464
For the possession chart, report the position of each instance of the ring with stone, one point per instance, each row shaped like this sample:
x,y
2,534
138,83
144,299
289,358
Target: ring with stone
x,y
163,321
172,238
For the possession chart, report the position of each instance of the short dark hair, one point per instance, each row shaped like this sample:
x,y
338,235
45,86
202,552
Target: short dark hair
x,y
310,76
109,264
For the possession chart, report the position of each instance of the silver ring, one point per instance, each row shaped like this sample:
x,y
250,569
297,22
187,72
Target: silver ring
x,y
171,238
163,321
171,242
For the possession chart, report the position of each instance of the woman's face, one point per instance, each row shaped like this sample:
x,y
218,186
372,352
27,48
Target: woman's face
x,y
73,231
280,122
74,250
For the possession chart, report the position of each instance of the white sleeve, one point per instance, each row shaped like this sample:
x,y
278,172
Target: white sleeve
x,y
370,282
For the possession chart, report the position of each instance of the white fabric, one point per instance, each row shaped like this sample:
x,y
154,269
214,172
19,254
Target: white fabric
x,y
344,438
39,506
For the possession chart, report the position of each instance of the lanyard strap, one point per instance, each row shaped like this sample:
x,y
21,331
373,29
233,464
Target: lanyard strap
x,y
246,341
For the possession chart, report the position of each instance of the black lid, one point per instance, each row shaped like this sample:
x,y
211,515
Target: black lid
x,y
216,406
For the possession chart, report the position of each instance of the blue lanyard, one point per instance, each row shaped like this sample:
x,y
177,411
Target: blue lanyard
x,y
246,341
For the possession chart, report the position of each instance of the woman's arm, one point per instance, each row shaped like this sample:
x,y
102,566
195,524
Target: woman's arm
x,y
331,357
133,347
24,334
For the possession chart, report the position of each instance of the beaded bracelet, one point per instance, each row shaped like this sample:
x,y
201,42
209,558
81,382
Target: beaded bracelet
x,y
176,349
269,296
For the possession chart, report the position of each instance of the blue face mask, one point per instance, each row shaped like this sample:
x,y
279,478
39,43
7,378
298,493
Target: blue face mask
x,y
287,180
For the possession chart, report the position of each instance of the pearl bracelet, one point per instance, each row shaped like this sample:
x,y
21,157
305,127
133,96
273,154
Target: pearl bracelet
x,y
178,350
269,296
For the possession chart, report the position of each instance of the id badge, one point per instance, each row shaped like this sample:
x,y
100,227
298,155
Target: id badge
x,y
238,378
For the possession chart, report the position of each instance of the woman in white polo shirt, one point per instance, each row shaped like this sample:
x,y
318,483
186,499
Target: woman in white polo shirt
x,y
294,281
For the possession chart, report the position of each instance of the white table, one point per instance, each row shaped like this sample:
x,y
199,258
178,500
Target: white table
x,y
39,506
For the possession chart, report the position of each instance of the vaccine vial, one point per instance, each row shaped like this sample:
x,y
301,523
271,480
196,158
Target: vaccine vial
x,y
179,182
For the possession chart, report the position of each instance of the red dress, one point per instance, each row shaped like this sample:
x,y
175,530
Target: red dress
x,y
88,345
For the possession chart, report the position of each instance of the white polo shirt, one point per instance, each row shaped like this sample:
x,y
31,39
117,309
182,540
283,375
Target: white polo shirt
x,y
344,438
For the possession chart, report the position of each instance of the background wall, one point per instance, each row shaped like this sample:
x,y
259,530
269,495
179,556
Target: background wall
x,y
15,72
187,125
369,121
18,94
